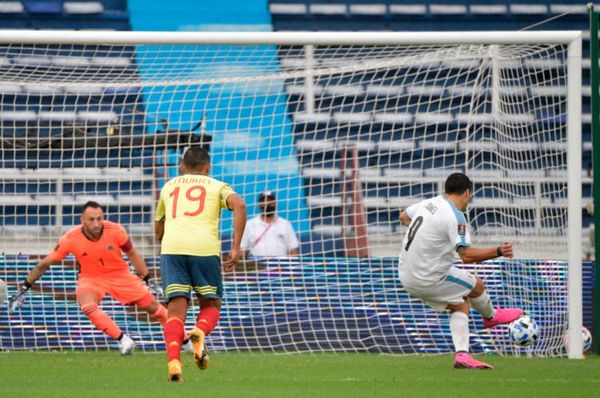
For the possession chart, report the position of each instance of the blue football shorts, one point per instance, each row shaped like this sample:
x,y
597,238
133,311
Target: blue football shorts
x,y
182,274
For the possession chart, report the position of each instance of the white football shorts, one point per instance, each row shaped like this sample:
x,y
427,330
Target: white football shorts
x,y
452,289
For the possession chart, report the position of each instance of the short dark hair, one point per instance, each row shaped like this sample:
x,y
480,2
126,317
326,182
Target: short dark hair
x,y
266,196
195,157
457,183
92,204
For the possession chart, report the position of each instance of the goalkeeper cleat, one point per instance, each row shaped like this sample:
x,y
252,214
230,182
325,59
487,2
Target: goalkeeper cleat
x,y
200,351
503,316
126,345
462,360
175,372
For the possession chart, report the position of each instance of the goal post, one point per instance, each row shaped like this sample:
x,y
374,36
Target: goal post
x,y
347,128
575,351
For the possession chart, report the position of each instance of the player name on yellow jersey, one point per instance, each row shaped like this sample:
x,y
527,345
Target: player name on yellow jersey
x,y
190,207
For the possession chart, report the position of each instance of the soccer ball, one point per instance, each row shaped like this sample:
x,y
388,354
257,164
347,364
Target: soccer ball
x,y
524,331
587,339
3,291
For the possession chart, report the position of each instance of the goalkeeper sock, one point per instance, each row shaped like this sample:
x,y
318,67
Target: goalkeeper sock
x,y
483,305
207,319
102,321
174,335
459,329
161,314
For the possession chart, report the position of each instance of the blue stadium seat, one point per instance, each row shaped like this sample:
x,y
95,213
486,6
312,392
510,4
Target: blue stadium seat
x,y
51,7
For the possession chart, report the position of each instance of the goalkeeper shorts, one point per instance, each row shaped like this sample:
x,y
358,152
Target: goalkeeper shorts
x,y
123,286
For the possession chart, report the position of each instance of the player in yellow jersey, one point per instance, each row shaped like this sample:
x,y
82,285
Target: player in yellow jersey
x,y
187,224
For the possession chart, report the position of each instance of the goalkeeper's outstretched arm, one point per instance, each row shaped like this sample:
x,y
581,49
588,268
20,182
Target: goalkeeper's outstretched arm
x,y
17,300
40,269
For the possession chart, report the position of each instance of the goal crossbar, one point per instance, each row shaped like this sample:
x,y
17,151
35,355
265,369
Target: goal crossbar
x,y
288,38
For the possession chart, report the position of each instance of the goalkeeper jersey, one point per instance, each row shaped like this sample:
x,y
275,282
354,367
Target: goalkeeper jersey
x,y
95,257
190,206
436,231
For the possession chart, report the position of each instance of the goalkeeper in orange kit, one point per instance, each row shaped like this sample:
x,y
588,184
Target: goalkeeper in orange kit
x,y
97,245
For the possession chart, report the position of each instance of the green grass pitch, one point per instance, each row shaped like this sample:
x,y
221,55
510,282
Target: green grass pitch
x,y
106,374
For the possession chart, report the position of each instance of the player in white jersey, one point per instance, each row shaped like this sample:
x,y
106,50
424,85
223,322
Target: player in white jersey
x,y
437,229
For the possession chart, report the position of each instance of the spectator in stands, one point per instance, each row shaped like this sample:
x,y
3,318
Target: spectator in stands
x,y
267,234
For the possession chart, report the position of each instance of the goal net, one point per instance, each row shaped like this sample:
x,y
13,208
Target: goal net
x,y
346,129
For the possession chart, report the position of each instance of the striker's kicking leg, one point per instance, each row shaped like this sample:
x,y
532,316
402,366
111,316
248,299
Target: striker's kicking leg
x,y
459,329
482,303
207,320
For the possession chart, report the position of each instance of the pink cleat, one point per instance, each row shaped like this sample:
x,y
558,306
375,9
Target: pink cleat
x,y
503,316
463,360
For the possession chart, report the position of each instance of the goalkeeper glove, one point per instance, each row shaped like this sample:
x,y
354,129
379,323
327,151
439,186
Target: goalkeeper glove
x,y
18,299
153,286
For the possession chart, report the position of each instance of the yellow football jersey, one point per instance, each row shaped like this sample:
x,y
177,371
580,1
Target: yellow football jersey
x,y
190,206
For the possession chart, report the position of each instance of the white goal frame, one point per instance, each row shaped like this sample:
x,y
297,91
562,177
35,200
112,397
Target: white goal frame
x,y
571,39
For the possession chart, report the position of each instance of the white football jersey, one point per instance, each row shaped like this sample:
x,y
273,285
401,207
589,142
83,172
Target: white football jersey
x,y
436,231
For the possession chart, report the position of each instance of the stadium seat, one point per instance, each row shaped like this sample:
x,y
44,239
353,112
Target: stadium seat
x,y
36,60
10,89
23,230
327,9
287,9
105,200
18,116
528,9
408,9
11,7
448,9
43,6
488,9
321,172
324,201
327,229
15,200
98,117
57,116
568,8
83,7
111,61
367,9
314,145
